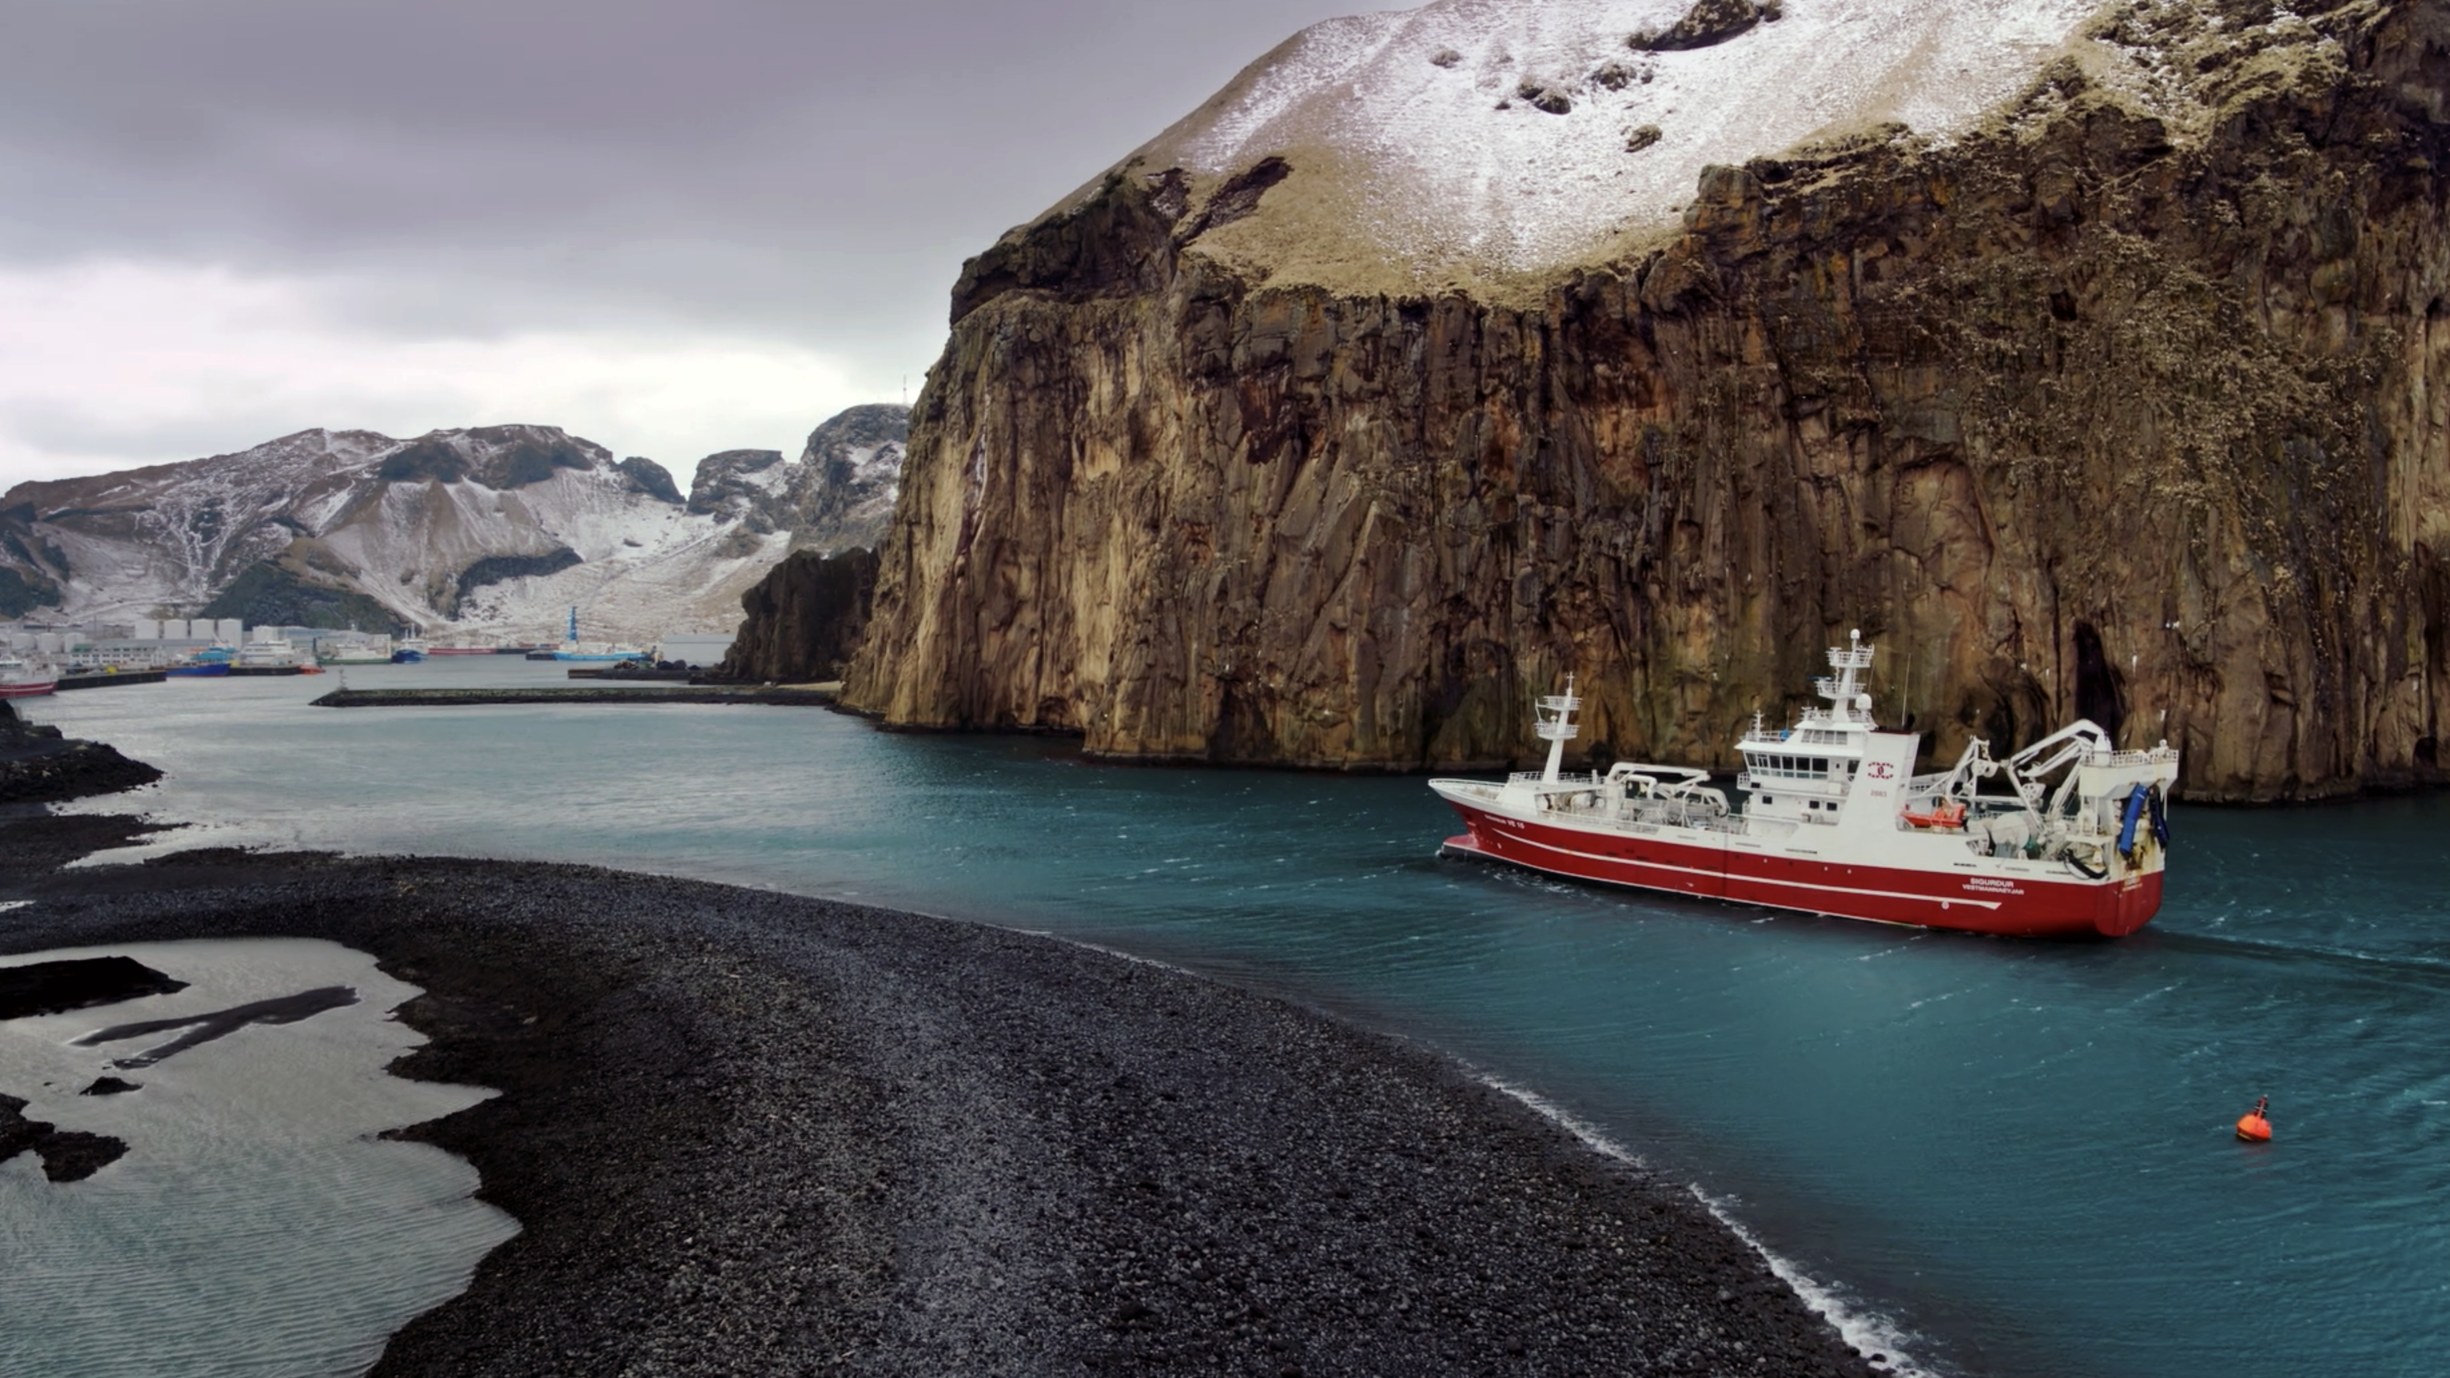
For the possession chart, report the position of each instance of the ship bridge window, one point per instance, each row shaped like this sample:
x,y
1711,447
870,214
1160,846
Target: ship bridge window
x,y
1790,767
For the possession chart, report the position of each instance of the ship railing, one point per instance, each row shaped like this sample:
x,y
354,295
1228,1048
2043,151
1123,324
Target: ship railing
x,y
1563,781
1654,817
2155,756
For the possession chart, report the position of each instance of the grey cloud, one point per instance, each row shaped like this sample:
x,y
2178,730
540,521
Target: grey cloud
x,y
269,130
812,174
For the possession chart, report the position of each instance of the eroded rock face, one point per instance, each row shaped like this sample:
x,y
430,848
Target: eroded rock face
x,y
1708,23
838,495
2071,415
804,619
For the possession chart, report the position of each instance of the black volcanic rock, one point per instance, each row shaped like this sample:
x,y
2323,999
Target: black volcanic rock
x,y
272,593
738,485
494,569
648,477
80,983
839,494
805,620
22,593
38,766
68,1155
1707,24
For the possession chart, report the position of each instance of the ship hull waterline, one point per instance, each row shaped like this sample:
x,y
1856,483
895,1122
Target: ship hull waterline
x,y
1768,875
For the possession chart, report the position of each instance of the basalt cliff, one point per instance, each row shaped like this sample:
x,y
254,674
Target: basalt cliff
x,y
2116,387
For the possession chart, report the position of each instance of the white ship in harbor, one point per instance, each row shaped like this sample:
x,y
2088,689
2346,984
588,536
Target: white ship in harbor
x,y
1834,821
267,653
354,648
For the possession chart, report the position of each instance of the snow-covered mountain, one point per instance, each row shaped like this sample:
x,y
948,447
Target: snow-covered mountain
x,y
1469,138
493,530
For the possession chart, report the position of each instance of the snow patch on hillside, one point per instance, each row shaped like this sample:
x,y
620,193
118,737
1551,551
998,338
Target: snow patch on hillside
x,y
406,522
1442,104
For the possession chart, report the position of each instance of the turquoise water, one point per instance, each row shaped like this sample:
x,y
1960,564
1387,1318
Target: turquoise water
x,y
2014,1157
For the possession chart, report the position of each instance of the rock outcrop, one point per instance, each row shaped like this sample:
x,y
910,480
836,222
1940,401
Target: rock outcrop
x,y
838,495
2127,399
804,621
40,766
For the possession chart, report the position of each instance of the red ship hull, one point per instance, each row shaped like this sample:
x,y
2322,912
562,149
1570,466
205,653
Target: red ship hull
x,y
1768,874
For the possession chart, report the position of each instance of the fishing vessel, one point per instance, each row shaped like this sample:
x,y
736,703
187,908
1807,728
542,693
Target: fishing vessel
x,y
409,651
2065,838
213,662
24,679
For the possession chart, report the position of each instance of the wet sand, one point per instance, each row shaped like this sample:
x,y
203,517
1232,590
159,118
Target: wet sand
x,y
754,1133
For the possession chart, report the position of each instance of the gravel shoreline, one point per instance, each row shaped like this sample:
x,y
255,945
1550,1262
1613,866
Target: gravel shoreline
x,y
746,1132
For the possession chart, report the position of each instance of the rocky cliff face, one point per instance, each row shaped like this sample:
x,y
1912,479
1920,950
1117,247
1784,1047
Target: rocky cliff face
x,y
2127,398
804,619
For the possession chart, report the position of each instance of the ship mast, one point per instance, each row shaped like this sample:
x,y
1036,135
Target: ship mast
x,y
1847,702
1555,723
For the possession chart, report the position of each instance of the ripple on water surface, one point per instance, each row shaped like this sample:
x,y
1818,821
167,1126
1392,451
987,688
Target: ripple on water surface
x,y
256,1223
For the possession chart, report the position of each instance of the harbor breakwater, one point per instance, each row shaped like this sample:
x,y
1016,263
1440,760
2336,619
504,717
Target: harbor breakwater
x,y
801,696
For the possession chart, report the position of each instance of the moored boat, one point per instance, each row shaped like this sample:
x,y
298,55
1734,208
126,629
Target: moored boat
x,y
2070,838
269,654
598,651
354,648
409,651
25,679
571,648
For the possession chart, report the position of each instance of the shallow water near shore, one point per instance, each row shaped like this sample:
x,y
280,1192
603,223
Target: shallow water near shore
x,y
255,1224
2016,1155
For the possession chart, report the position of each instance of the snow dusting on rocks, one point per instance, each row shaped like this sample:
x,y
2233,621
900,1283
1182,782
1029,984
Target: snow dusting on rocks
x,y
490,531
1522,135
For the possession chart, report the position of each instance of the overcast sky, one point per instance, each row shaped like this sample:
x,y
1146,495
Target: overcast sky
x,y
672,228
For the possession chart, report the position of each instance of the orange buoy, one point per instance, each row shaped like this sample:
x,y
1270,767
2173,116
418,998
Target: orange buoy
x,y
2255,1126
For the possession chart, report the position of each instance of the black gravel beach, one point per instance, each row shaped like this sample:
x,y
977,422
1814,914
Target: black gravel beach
x,y
752,1133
